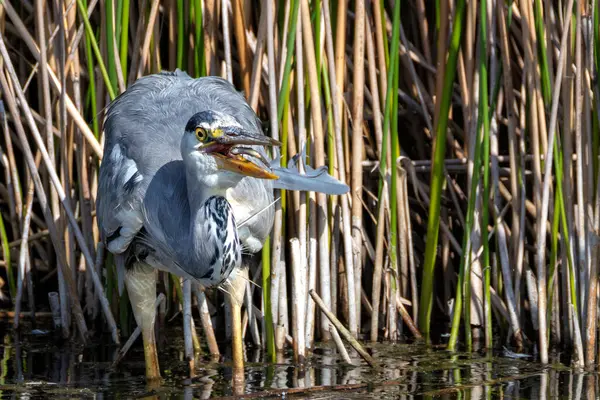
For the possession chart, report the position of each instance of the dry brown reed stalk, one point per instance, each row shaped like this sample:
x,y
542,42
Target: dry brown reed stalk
x,y
41,195
340,345
516,224
592,300
404,211
541,270
343,331
206,322
240,37
147,37
257,63
62,197
299,299
24,266
226,40
378,270
277,241
65,150
282,326
503,246
187,325
251,316
336,93
33,48
582,200
322,224
85,195
358,83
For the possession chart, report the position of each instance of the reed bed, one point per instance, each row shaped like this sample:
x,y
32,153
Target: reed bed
x,y
468,133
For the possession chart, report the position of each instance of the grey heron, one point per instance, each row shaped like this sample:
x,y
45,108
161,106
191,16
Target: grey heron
x,y
184,159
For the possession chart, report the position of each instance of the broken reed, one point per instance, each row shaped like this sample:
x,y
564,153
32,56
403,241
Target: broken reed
x,y
467,131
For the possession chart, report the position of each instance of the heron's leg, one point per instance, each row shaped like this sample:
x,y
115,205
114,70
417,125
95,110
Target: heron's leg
x,y
236,290
140,280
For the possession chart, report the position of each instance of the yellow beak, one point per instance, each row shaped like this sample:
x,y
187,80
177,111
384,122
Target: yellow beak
x,y
240,165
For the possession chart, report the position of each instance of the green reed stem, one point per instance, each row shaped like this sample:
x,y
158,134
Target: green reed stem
x,y
110,44
485,116
199,64
111,284
12,287
124,314
394,183
388,119
330,128
118,22
90,34
266,288
595,111
284,93
280,17
284,153
317,14
553,257
389,93
91,92
180,33
386,50
541,35
317,34
123,48
330,144
437,178
596,33
556,149
465,273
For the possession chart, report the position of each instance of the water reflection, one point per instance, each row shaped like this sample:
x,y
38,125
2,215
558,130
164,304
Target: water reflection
x,y
34,366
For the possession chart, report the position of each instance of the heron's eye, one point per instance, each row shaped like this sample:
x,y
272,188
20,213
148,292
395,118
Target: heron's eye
x,y
201,134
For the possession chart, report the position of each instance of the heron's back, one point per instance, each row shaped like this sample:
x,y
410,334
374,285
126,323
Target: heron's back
x,y
149,119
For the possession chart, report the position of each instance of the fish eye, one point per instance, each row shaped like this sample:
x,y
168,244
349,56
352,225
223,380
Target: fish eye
x,y
201,134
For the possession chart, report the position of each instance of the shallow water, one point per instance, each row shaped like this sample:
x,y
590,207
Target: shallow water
x,y
34,366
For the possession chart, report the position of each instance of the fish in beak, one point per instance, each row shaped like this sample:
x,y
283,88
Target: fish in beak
x,y
228,148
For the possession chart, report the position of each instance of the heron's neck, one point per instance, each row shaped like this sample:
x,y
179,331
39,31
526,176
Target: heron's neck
x,y
203,180
199,189
201,184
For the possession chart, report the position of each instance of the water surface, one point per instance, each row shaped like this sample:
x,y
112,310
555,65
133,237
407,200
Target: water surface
x,y
35,365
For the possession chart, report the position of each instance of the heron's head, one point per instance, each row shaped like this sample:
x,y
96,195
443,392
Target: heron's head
x,y
217,142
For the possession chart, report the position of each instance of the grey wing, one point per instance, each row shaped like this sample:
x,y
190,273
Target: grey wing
x,y
118,204
118,207
131,128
